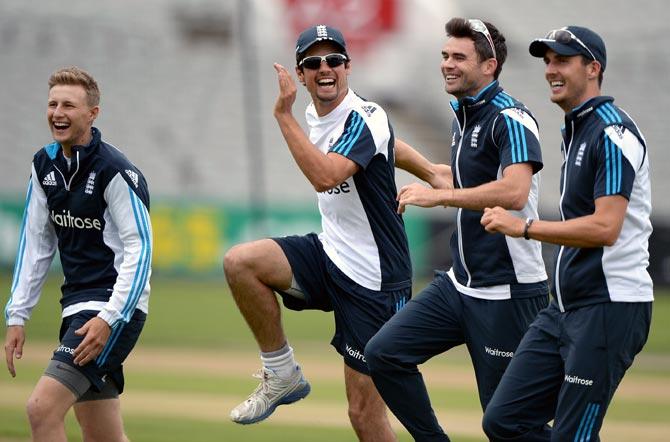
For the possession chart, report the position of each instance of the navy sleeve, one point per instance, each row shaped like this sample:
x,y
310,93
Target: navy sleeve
x,y
356,141
516,135
617,158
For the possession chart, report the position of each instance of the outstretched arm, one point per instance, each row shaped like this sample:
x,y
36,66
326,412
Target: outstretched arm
x,y
602,228
510,192
410,160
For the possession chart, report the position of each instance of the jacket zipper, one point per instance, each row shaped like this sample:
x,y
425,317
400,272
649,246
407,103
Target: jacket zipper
x,y
459,229
68,183
566,162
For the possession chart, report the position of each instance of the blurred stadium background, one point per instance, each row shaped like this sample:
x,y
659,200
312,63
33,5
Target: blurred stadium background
x,y
187,92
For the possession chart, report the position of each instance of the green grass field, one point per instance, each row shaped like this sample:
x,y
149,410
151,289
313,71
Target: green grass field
x,y
196,355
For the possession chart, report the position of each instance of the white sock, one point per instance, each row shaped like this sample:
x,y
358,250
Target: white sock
x,y
280,361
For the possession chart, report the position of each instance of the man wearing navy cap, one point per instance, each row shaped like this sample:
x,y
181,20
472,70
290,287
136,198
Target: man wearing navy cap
x,y
577,351
359,266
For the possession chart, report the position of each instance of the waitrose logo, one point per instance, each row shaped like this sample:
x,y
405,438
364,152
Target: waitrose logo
x,y
65,219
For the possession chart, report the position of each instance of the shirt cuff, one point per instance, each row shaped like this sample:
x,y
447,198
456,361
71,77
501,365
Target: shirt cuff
x,y
15,320
110,316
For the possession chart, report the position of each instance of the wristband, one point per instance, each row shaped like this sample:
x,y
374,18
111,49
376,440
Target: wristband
x,y
529,221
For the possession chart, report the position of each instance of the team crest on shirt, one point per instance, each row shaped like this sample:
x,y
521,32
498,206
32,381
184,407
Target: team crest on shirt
x,y
453,139
580,154
90,183
331,142
474,138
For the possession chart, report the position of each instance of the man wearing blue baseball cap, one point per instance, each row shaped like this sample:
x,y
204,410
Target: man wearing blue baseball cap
x,y
359,265
577,351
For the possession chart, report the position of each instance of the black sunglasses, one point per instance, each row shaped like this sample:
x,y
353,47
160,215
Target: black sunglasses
x,y
332,60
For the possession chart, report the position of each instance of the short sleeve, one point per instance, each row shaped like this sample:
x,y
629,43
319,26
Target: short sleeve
x,y
618,158
516,134
356,141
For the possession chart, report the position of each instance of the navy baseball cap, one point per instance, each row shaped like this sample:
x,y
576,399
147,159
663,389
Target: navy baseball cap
x,y
571,40
315,34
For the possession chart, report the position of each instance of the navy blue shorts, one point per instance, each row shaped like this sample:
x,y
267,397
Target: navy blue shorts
x,y
109,364
567,368
359,312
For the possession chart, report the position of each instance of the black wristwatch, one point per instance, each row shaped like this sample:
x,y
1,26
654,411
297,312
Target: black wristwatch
x,y
529,221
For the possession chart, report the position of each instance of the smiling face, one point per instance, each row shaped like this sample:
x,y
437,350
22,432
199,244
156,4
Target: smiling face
x,y
464,74
327,86
571,80
69,115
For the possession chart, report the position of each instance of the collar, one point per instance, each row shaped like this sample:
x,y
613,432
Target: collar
x,y
313,119
483,96
81,155
579,113
54,149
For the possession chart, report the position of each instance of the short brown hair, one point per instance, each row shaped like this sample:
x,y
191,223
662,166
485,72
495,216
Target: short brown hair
x,y
460,28
75,76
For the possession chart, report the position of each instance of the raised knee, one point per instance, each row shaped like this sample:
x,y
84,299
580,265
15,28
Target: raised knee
x,y
372,354
234,260
378,355
230,259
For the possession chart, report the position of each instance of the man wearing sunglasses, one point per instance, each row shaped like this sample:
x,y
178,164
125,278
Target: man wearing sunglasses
x,y
496,285
359,266
576,352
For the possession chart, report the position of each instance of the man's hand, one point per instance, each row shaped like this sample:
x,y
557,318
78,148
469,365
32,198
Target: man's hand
x,y
14,346
417,195
501,221
96,333
287,91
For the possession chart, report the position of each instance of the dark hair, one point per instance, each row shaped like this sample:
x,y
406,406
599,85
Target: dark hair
x,y
586,60
460,28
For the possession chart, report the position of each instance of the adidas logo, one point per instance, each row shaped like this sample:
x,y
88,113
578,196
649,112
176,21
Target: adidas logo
x,y
133,176
50,179
369,109
90,183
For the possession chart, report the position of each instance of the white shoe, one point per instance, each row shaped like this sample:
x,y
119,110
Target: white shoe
x,y
272,392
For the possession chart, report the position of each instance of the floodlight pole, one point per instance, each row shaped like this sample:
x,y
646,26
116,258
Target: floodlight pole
x,y
253,125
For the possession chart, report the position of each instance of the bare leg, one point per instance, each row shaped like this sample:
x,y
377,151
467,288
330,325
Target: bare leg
x,y
100,420
367,411
253,270
46,408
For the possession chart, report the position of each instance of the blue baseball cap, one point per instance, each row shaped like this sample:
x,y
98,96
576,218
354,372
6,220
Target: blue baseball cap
x,y
569,41
316,34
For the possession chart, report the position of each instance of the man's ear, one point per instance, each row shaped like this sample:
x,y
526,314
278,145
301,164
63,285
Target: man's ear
x,y
593,70
94,111
300,74
490,66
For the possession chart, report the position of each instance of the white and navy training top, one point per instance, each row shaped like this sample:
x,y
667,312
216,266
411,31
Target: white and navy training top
x,y
490,132
96,212
362,233
604,154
